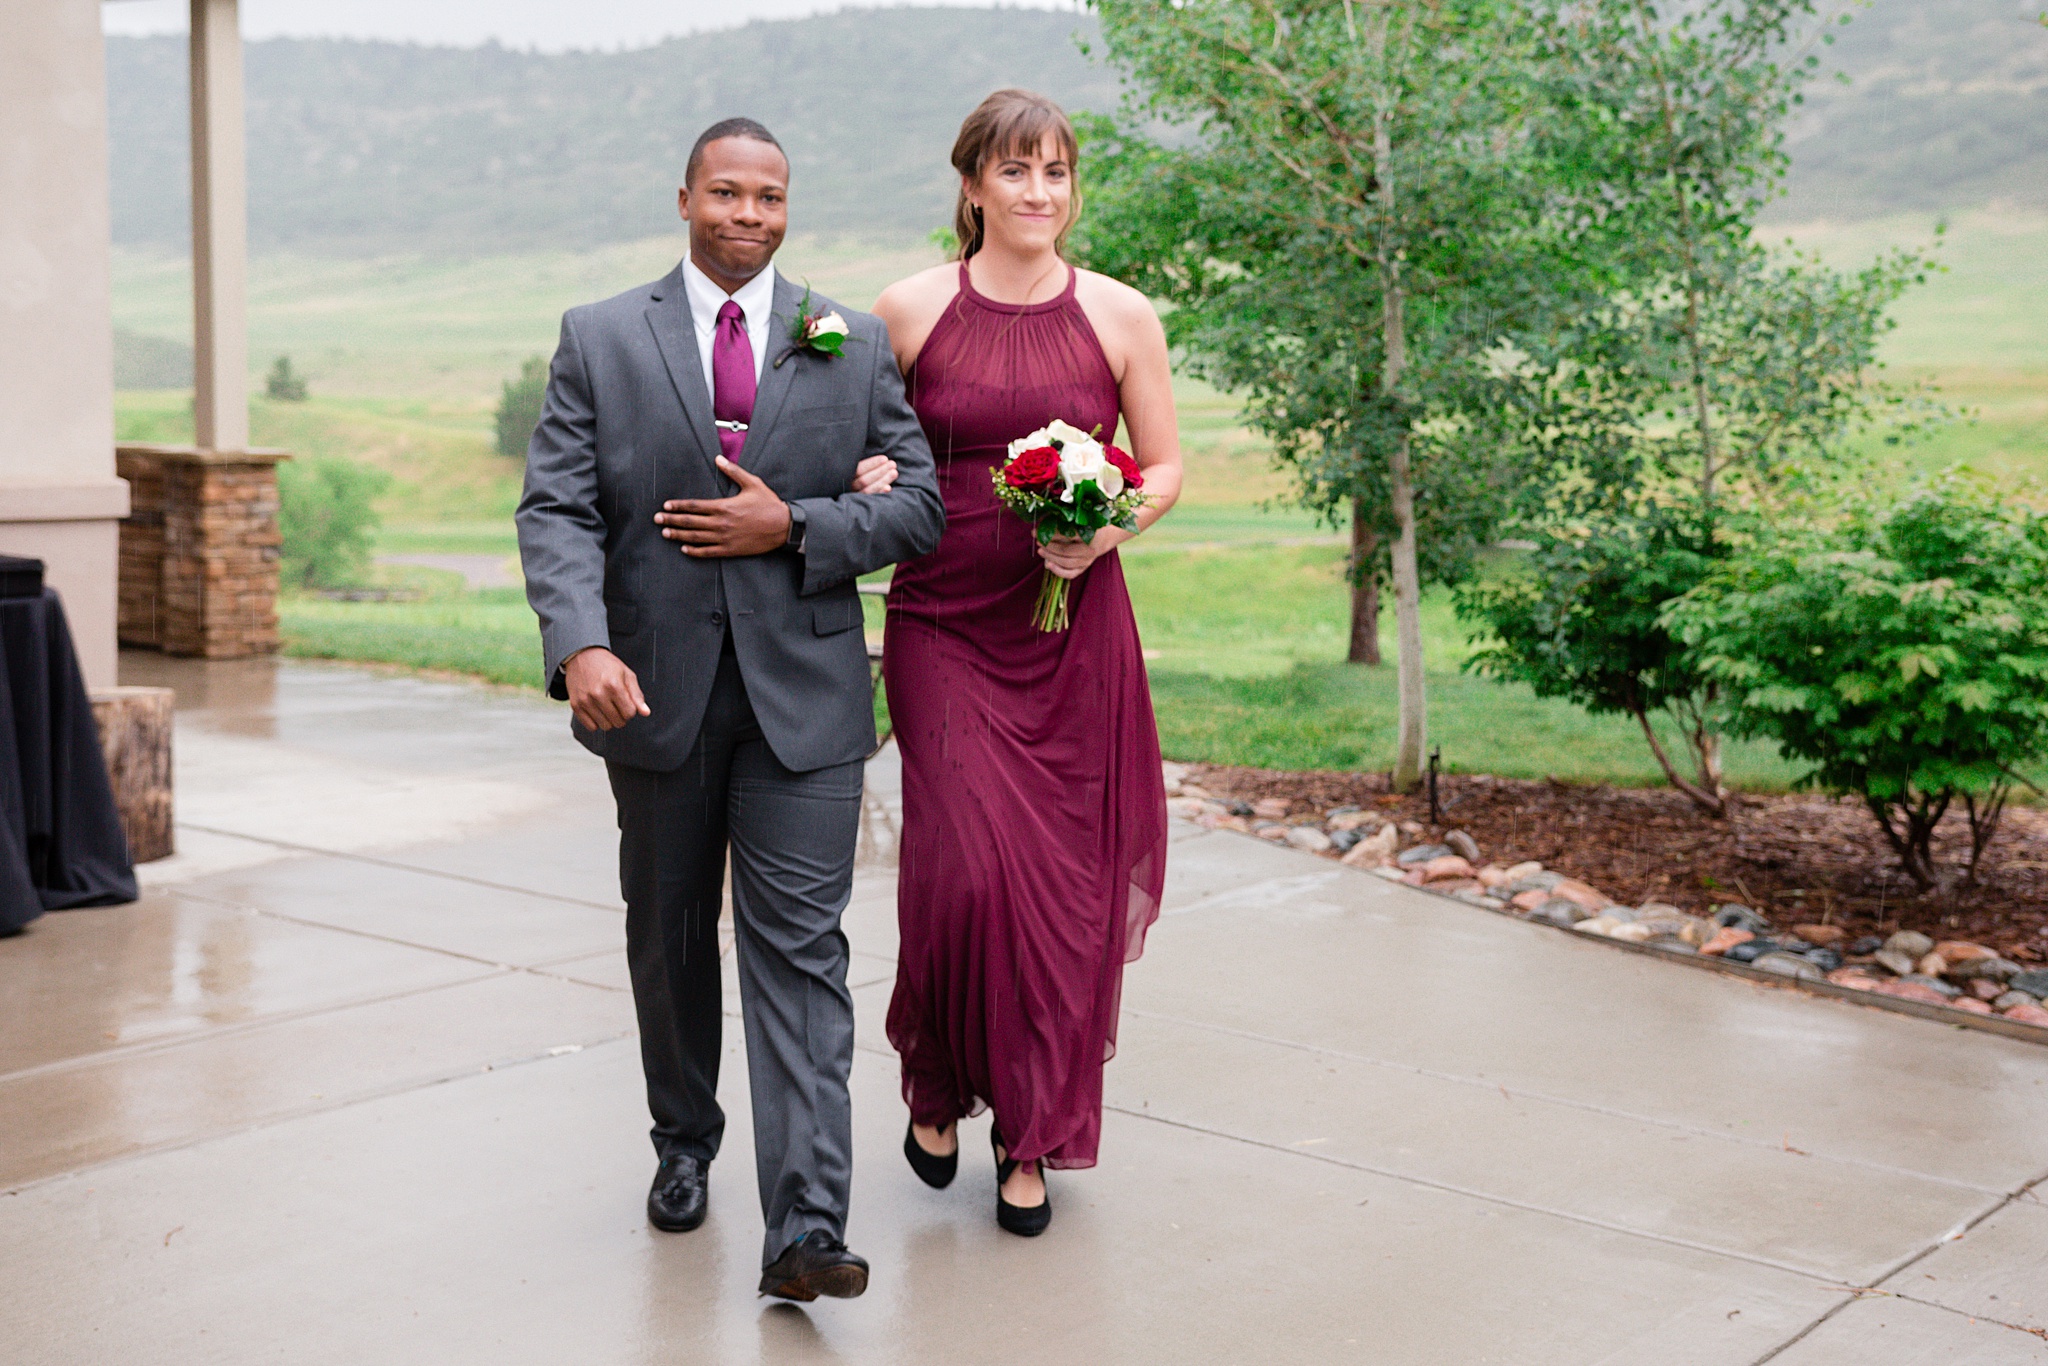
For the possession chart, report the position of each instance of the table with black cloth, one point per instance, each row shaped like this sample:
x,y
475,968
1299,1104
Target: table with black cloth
x,y
60,835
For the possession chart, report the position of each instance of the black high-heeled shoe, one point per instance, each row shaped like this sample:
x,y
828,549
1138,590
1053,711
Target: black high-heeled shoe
x,y
1026,1221
935,1171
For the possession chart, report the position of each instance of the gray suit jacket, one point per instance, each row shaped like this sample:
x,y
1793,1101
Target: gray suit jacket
x,y
627,426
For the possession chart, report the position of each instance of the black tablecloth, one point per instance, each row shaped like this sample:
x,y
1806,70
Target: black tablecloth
x,y
60,837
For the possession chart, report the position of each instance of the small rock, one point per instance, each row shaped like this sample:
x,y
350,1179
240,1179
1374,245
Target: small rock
x,y
1558,911
1853,978
1211,821
1671,943
1411,827
2033,1015
1240,808
1528,901
1538,881
1352,819
1635,932
1574,890
1934,984
1932,965
1421,853
1492,875
2034,981
1374,848
1821,936
1750,952
1741,917
1996,968
1986,988
1343,840
1907,989
1186,808
1387,871
1527,868
1896,963
1188,789
1726,938
1962,951
1971,1004
1307,837
1463,845
2013,998
1864,947
1598,924
1413,878
1272,808
1657,909
1450,865
1790,965
1910,942
1272,830
1175,774
1475,896
1827,960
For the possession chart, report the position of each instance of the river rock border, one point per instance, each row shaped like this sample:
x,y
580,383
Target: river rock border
x,y
1954,982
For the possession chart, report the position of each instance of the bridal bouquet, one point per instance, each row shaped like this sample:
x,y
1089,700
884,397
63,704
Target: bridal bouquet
x,y
1066,483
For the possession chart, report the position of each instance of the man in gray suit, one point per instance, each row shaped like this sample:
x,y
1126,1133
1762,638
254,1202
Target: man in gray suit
x,y
701,493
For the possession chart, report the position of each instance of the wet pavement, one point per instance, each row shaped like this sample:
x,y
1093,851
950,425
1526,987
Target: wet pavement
x,y
355,1082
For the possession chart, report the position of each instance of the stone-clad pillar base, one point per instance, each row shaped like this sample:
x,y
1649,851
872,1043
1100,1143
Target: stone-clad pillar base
x,y
199,551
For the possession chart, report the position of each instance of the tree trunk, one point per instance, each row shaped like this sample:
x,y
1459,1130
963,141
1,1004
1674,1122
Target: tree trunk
x,y
1414,737
1365,588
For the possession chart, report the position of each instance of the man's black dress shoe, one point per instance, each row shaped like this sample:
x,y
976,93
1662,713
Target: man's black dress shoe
x,y
677,1202
815,1264
935,1171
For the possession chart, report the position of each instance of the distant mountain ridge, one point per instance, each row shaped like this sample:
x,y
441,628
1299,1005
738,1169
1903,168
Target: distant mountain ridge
x,y
364,148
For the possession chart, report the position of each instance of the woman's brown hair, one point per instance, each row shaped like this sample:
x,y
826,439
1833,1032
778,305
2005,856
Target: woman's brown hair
x,y
1009,123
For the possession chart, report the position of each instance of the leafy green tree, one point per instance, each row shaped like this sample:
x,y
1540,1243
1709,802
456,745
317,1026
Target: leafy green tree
x,y
1902,653
284,384
1351,214
327,517
519,407
1710,382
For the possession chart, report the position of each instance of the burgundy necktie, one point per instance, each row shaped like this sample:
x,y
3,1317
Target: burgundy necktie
x,y
732,379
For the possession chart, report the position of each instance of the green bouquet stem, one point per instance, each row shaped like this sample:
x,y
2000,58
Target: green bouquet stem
x,y
1051,613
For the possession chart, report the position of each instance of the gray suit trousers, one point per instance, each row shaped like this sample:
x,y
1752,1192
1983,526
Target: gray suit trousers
x,y
792,837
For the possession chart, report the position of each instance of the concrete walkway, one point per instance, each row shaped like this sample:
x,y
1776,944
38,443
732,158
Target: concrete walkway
x,y
355,1083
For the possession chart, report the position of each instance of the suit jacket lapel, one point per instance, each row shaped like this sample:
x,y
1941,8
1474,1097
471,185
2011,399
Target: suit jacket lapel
x,y
775,379
668,316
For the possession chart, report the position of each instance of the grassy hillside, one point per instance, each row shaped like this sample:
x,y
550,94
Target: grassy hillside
x,y
379,146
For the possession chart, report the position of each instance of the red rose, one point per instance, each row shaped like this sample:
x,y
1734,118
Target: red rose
x,y
1032,469
1133,476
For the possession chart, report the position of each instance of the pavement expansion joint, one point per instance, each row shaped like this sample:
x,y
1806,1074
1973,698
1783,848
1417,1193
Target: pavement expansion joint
x,y
1563,1102
1488,1197
401,866
283,1117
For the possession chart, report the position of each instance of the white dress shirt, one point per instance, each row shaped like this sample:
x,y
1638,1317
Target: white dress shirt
x,y
756,299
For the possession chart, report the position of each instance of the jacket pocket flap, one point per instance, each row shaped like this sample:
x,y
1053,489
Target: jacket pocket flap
x,y
825,414
622,618
841,614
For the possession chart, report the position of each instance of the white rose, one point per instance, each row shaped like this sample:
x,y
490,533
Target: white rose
x,y
831,325
1041,437
1062,432
1083,461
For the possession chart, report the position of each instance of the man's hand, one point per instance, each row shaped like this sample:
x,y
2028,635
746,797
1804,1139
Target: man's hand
x,y
602,690
876,474
753,521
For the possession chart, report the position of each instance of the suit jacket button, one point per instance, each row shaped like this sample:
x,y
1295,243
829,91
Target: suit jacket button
x,y
718,618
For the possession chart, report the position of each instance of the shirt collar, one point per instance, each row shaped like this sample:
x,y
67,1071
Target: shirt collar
x,y
756,297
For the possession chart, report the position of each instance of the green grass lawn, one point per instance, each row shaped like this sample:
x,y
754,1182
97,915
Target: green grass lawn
x,y
1239,596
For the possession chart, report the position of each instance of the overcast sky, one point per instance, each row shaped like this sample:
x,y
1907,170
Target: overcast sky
x,y
551,25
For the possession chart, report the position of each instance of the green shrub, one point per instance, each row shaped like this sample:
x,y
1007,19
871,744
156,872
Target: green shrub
x,y
327,516
1583,622
519,407
285,384
1903,654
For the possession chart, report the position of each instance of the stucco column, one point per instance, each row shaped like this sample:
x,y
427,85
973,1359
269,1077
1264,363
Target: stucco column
x,y
220,234
59,498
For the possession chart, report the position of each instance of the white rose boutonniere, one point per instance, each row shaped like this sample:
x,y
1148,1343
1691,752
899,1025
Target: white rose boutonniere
x,y
821,334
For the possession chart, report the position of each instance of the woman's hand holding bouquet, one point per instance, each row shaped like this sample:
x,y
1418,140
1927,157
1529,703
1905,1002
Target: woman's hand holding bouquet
x,y
1067,484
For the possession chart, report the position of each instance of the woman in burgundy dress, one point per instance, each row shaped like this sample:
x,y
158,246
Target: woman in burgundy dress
x,y
1034,839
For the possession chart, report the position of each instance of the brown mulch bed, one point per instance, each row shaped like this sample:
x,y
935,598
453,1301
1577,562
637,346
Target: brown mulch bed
x,y
1797,858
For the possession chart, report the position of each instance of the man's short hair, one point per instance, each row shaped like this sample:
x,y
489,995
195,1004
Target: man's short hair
x,y
726,128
